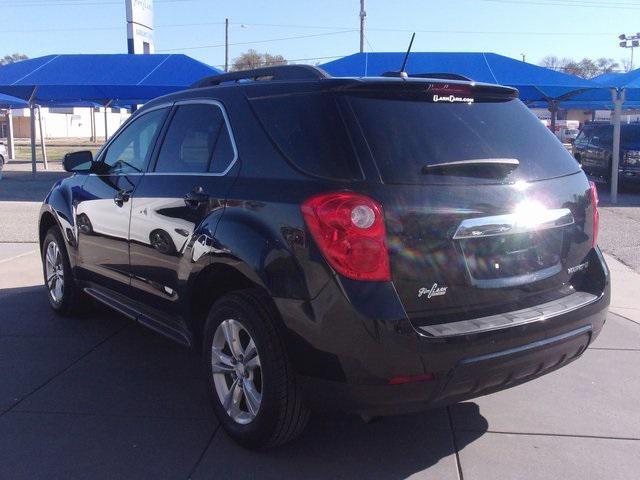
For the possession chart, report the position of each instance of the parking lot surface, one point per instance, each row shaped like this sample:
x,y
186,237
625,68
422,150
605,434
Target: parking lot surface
x,y
100,397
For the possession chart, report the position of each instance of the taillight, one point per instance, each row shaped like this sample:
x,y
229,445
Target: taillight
x,y
349,229
596,215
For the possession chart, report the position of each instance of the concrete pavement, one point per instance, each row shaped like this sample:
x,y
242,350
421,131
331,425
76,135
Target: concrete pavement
x,y
100,397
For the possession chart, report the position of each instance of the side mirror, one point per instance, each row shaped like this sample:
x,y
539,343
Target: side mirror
x,y
78,162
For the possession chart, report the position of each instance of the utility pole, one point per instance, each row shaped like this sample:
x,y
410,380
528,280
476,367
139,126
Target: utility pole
x,y
226,44
363,14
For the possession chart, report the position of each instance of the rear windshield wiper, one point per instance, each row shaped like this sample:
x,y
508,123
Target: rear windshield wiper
x,y
479,167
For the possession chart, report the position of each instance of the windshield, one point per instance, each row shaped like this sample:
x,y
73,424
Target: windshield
x,y
406,135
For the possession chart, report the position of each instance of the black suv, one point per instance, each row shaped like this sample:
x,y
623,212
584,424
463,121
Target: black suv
x,y
370,245
593,148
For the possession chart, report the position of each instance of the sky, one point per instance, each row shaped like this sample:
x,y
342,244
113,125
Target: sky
x,y
317,31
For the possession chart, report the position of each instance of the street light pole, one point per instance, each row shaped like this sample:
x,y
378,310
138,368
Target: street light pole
x,y
363,14
226,44
630,41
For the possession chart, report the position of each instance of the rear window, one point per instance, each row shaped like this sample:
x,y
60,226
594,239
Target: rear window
x,y
309,130
407,135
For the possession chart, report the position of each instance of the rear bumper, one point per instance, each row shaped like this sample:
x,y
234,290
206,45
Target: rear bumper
x,y
469,377
354,357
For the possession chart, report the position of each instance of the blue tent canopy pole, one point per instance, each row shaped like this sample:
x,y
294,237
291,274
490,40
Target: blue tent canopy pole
x,y
618,97
106,125
32,128
42,145
11,153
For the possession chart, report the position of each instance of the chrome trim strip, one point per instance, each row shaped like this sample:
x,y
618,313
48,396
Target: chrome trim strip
x,y
512,223
190,101
536,313
479,161
209,101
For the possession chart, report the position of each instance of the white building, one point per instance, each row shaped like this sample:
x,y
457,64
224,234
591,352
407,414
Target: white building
x,y
72,122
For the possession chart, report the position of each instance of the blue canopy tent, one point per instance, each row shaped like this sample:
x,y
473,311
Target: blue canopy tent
x,y
533,82
105,79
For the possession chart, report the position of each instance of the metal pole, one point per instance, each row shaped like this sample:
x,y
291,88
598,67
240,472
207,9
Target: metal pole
x,y
44,148
10,146
226,44
363,14
32,122
553,108
92,122
106,126
618,100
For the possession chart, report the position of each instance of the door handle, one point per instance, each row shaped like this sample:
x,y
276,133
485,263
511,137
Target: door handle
x,y
121,197
194,198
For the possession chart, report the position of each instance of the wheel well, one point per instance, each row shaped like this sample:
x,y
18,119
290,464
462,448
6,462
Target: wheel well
x,y
211,284
46,222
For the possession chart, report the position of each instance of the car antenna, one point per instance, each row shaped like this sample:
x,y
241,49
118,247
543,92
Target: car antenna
x,y
401,73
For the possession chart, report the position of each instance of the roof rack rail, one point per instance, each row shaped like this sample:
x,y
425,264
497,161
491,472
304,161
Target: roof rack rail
x,y
442,75
279,72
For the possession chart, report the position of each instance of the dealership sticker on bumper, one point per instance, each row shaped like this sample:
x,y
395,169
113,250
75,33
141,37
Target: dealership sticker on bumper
x,y
434,291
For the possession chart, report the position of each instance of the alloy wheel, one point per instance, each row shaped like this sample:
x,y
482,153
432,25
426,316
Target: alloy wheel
x,y
237,372
54,270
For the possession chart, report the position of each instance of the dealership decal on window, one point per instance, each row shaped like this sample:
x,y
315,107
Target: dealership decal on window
x,y
452,99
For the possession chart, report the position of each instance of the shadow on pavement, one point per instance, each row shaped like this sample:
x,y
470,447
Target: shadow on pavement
x,y
345,447
101,372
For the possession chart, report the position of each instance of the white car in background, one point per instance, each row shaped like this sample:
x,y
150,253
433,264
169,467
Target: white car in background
x,y
3,157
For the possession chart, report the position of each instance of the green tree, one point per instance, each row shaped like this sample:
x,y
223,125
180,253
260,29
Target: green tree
x,y
13,58
252,59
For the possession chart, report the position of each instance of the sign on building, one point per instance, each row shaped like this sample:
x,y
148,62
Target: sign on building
x,y
139,26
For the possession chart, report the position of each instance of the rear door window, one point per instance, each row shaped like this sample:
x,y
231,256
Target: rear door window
x,y
198,140
405,135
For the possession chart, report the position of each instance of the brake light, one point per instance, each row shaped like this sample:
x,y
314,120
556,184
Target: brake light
x,y
349,229
596,215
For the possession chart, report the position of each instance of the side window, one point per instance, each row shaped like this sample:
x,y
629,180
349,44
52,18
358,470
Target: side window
x,y
129,150
309,130
197,141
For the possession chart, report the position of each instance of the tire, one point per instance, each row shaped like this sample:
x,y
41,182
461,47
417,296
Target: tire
x,y
68,299
249,315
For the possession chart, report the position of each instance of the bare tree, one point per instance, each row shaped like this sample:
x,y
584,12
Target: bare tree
x,y
585,68
550,61
252,59
607,65
13,58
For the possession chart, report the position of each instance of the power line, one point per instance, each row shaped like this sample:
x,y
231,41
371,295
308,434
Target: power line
x,y
294,60
200,47
577,3
77,3
335,29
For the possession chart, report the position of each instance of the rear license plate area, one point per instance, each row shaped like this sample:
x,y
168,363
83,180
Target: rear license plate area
x,y
508,260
